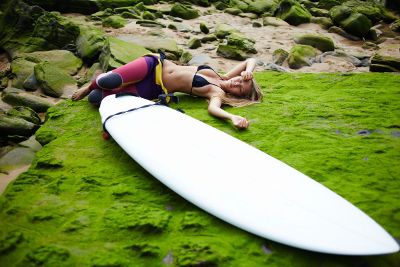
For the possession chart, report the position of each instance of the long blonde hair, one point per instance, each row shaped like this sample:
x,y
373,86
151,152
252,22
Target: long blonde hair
x,y
255,96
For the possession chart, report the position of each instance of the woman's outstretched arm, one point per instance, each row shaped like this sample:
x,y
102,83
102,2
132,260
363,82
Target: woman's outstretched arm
x,y
214,108
244,69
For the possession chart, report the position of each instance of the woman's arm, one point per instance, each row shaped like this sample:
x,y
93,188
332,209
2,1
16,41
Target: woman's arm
x,y
246,66
214,108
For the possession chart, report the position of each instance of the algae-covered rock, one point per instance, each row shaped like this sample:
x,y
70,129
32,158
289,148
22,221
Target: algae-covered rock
x,y
340,31
21,69
241,42
122,52
194,43
10,241
322,43
184,12
233,11
17,97
185,57
293,13
279,56
25,113
395,26
272,21
260,7
352,22
114,21
222,30
209,38
301,56
52,80
384,63
231,52
11,125
325,23
204,28
90,43
319,12
149,16
63,59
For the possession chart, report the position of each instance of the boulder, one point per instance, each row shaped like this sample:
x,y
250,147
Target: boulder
x,y
194,43
17,97
184,12
349,58
114,21
395,26
272,21
384,63
185,57
324,22
148,15
260,7
209,38
279,56
301,56
21,70
223,30
328,4
52,80
319,12
242,5
343,33
233,11
293,13
322,43
90,43
241,42
204,28
352,22
10,125
231,52
30,83
356,24
122,52
25,113
63,59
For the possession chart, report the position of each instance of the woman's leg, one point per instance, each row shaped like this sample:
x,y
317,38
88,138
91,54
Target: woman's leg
x,y
130,73
95,97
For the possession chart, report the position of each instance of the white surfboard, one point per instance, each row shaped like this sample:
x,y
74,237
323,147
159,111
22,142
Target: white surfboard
x,y
239,183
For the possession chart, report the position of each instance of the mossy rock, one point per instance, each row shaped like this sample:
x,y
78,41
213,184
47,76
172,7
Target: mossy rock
x,y
52,80
90,43
11,125
231,52
260,7
233,11
185,57
184,12
194,43
301,56
395,26
122,52
319,12
203,28
242,5
222,30
272,21
148,15
339,13
114,21
241,42
279,56
324,22
62,59
21,69
293,13
356,24
322,43
384,63
56,29
17,97
25,113
209,38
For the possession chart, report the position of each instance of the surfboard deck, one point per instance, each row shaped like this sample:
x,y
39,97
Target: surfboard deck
x,y
239,183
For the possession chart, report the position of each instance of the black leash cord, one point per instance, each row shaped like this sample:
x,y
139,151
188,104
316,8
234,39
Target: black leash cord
x,y
126,111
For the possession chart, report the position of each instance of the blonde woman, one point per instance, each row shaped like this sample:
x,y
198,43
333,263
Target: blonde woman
x,y
152,75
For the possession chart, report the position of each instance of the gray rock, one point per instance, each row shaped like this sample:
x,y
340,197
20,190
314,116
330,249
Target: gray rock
x,y
349,58
275,67
17,97
340,31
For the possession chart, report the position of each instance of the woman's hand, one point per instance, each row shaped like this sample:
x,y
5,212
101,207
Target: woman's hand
x,y
246,75
240,122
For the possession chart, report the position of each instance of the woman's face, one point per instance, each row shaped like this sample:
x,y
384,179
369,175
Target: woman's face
x,y
239,87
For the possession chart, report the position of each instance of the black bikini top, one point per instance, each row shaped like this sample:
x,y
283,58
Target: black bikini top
x,y
199,81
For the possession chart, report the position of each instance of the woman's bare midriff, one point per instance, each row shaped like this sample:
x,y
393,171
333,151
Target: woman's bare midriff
x,y
177,78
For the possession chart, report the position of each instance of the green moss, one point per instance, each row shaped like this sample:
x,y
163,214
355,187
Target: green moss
x,y
100,208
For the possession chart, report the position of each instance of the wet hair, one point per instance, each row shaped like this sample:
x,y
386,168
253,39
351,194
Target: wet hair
x,y
254,96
